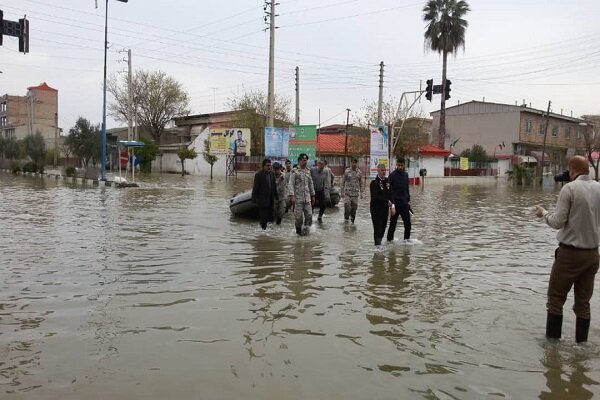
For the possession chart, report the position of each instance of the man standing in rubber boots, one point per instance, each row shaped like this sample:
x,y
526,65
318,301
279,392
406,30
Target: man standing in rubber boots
x,y
577,217
352,189
401,199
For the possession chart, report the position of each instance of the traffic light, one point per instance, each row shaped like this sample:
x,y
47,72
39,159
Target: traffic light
x,y
447,91
429,89
24,37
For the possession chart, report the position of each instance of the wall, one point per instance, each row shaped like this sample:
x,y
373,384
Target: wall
x,y
433,165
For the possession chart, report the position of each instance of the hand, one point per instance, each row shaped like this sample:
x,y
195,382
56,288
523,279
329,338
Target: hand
x,y
539,211
292,199
312,200
362,196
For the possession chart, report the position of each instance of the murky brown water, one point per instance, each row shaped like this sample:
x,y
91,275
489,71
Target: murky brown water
x,y
157,293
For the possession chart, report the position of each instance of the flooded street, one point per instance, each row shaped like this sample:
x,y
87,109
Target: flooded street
x,y
158,293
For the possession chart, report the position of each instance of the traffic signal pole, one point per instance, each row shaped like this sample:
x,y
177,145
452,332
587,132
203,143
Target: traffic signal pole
x,y
396,138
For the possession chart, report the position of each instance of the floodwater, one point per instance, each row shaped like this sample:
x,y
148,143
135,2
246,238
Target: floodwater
x,y
158,293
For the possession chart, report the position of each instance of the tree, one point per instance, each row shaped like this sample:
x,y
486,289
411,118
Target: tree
x,y
209,158
11,149
413,135
592,144
35,148
252,106
85,141
158,99
146,154
185,154
445,33
475,154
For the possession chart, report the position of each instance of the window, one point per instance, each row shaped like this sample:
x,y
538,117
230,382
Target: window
x,y
568,132
554,130
2,121
542,128
3,107
528,126
9,133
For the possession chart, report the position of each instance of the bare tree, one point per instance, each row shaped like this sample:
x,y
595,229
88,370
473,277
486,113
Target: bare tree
x,y
158,99
253,114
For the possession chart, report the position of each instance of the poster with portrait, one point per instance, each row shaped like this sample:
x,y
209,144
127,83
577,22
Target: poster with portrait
x,y
379,148
277,142
230,141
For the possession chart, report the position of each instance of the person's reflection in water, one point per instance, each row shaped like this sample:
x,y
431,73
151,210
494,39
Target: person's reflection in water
x,y
387,289
562,385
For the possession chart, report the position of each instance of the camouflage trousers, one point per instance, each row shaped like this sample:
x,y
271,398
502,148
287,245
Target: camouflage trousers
x,y
350,206
278,210
302,213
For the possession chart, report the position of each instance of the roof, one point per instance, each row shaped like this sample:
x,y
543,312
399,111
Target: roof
x,y
515,108
431,150
42,86
336,144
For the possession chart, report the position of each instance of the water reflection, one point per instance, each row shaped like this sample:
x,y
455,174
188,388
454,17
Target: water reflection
x,y
567,373
159,286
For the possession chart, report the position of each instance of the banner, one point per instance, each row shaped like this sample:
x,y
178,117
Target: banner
x,y
303,139
230,141
464,163
277,142
379,148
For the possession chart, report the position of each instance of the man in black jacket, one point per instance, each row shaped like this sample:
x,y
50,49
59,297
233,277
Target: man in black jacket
x,y
264,193
380,203
401,199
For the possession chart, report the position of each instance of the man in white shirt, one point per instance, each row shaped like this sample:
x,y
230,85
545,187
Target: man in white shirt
x,y
577,217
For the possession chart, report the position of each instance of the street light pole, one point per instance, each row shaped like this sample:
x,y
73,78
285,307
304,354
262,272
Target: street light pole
x,y
103,162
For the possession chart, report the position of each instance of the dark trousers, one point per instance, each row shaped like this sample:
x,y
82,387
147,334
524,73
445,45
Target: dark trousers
x,y
403,212
379,219
572,267
266,215
320,197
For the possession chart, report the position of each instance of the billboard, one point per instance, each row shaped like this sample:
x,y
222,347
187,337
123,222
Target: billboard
x,y
379,148
277,141
230,141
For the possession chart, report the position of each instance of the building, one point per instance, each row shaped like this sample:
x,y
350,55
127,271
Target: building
x,y
504,129
37,111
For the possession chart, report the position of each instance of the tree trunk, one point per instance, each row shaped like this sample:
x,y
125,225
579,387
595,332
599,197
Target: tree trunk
x,y
183,167
211,167
442,127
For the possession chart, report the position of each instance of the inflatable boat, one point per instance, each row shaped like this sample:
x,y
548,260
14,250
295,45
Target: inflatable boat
x,y
241,204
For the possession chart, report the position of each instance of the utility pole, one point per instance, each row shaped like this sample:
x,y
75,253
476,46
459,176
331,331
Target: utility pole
x,y
129,97
271,93
297,96
55,139
346,140
544,145
380,103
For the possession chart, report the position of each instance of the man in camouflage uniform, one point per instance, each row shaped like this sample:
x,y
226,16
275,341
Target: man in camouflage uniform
x,y
280,188
302,195
287,173
352,189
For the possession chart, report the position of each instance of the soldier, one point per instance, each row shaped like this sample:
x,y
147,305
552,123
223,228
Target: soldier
x,y
322,184
352,189
301,193
280,187
287,173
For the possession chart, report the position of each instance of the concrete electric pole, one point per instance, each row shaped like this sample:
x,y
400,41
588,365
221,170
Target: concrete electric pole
x,y
297,96
380,102
129,97
271,93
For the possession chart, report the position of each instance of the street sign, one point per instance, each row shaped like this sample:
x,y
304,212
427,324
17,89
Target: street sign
x,y
437,89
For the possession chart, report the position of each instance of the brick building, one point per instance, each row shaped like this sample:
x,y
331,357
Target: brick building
x,y
520,128
37,111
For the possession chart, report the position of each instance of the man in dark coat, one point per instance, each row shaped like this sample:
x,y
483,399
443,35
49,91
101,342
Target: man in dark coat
x,y
264,193
401,199
380,203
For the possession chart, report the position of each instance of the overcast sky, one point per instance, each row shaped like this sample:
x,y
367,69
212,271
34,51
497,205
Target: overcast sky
x,y
532,50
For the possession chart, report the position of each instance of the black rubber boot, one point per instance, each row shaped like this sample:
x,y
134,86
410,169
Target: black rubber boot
x,y
553,326
582,327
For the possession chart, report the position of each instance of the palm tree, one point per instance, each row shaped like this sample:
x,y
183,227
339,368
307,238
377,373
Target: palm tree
x,y
445,33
